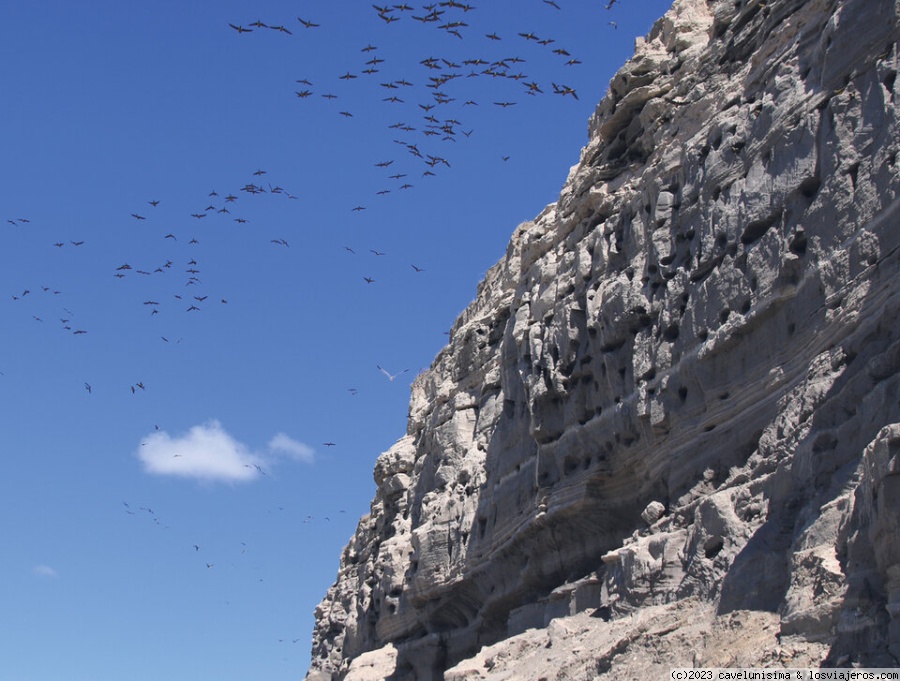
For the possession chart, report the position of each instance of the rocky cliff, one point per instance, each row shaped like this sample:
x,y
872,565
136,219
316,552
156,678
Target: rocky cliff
x,y
667,431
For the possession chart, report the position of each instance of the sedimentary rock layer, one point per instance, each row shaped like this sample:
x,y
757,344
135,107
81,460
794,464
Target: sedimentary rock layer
x,y
679,389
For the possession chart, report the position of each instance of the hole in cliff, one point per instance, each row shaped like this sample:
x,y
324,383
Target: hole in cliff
x,y
703,334
824,442
721,240
671,333
853,173
682,393
745,306
791,328
709,428
757,228
649,375
717,192
797,245
810,186
612,347
482,527
889,80
723,315
720,29
713,546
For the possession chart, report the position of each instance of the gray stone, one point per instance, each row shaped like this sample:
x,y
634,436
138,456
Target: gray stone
x,y
653,512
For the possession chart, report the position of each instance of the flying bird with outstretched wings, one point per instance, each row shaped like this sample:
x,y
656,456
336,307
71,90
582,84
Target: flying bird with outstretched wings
x,y
391,376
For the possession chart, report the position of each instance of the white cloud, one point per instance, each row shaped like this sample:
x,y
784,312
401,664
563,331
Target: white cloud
x,y
298,451
205,452
44,571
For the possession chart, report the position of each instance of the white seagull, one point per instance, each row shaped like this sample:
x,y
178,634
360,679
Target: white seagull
x,y
390,376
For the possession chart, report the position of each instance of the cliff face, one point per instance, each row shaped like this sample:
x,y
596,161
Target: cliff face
x,y
674,406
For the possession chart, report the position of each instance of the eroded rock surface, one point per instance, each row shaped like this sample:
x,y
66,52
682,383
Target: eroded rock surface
x,y
674,406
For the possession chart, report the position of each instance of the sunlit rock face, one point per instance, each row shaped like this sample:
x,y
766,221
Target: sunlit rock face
x,y
678,393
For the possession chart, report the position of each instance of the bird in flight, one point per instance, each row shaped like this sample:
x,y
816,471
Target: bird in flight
x,y
564,90
241,29
390,376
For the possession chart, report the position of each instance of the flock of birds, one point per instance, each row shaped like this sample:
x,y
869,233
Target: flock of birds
x,y
233,556
432,106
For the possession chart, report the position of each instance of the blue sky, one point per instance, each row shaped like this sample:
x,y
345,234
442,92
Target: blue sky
x,y
169,506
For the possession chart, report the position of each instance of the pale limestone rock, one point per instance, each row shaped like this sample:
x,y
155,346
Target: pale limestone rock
x,y
375,665
653,512
705,320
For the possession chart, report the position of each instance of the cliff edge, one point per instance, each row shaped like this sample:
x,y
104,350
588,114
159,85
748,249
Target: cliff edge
x,y
667,431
